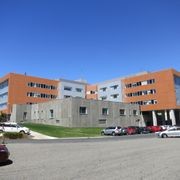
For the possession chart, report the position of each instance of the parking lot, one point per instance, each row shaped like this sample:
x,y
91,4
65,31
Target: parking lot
x,y
117,158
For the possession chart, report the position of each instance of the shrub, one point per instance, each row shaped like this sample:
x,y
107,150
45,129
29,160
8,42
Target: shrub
x,y
13,135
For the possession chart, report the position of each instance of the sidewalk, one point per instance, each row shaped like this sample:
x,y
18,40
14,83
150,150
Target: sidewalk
x,y
36,135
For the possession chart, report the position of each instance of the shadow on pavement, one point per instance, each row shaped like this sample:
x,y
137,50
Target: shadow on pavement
x,y
8,162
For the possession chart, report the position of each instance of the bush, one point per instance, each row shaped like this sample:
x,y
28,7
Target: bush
x,y
13,135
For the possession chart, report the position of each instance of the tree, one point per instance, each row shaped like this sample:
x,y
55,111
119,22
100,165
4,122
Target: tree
x,y
3,117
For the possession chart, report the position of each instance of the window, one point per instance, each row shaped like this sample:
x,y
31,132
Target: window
x,y
3,105
114,87
103,89
4,84
67,96
51,113
103,97
105,111
153,91
135,112
122,112
92,92
134,84
25,116
78,89
144,83
115,96
102,121
82,110
150,81
154,101
144,92
67,88
128,85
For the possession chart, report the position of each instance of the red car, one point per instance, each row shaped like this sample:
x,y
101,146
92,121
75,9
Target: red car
x,y
131,130
4,153
154,129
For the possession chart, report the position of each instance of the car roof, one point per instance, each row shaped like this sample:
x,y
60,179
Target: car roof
x,y
9,123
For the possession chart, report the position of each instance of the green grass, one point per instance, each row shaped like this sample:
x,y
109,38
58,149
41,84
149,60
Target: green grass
x,y
58,131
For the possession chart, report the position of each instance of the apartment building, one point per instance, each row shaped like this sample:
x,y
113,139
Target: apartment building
x,y
157,93
23,89
110,90
67,88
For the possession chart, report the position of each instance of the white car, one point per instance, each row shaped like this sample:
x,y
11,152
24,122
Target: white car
x,y
171,132
13,127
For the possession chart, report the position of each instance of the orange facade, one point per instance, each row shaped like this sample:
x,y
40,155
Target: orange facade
x,y
153,91
91,92
24,89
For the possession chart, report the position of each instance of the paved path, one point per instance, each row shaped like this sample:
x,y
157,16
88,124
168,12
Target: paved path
x,y
36,135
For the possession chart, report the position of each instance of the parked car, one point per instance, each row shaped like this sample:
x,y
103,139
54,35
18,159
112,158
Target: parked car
x,y
132,130
123,131
13,127
165,127
171,132
154,129
113,130
143,130
4,153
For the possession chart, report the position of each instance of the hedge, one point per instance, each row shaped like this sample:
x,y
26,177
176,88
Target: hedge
x,y
13,135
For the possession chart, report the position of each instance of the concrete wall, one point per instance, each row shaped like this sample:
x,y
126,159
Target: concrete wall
x,y
94,115
66,112
41,113
21,113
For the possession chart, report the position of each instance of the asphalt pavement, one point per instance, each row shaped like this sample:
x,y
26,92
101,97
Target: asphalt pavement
x,y
115,158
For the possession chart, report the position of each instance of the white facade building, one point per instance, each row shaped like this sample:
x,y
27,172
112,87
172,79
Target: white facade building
x,y
67,88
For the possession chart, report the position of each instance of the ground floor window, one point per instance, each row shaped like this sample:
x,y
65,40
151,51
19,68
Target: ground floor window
x,y
102,121
82,110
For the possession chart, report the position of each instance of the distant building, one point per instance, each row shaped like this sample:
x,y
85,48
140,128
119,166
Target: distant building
x,y
157,93
67,88
110,90
23,89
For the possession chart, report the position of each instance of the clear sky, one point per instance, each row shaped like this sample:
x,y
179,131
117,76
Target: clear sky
x,y
95,40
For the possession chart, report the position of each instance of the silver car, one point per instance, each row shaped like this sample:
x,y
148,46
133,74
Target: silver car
x,y
113,130
171,132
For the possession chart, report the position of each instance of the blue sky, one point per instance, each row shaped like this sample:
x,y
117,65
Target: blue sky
x,y
95,40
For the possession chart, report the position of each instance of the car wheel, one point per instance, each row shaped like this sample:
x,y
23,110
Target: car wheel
x,y
102,133
113,133
22,132
164,136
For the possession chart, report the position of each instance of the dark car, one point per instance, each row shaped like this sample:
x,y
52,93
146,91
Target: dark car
x,y
144,130
123,131
4,153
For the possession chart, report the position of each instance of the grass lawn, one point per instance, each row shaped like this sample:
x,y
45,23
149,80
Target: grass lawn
x,y
58,131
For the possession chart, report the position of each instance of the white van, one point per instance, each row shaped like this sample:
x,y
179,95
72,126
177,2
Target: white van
x,y
13,127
